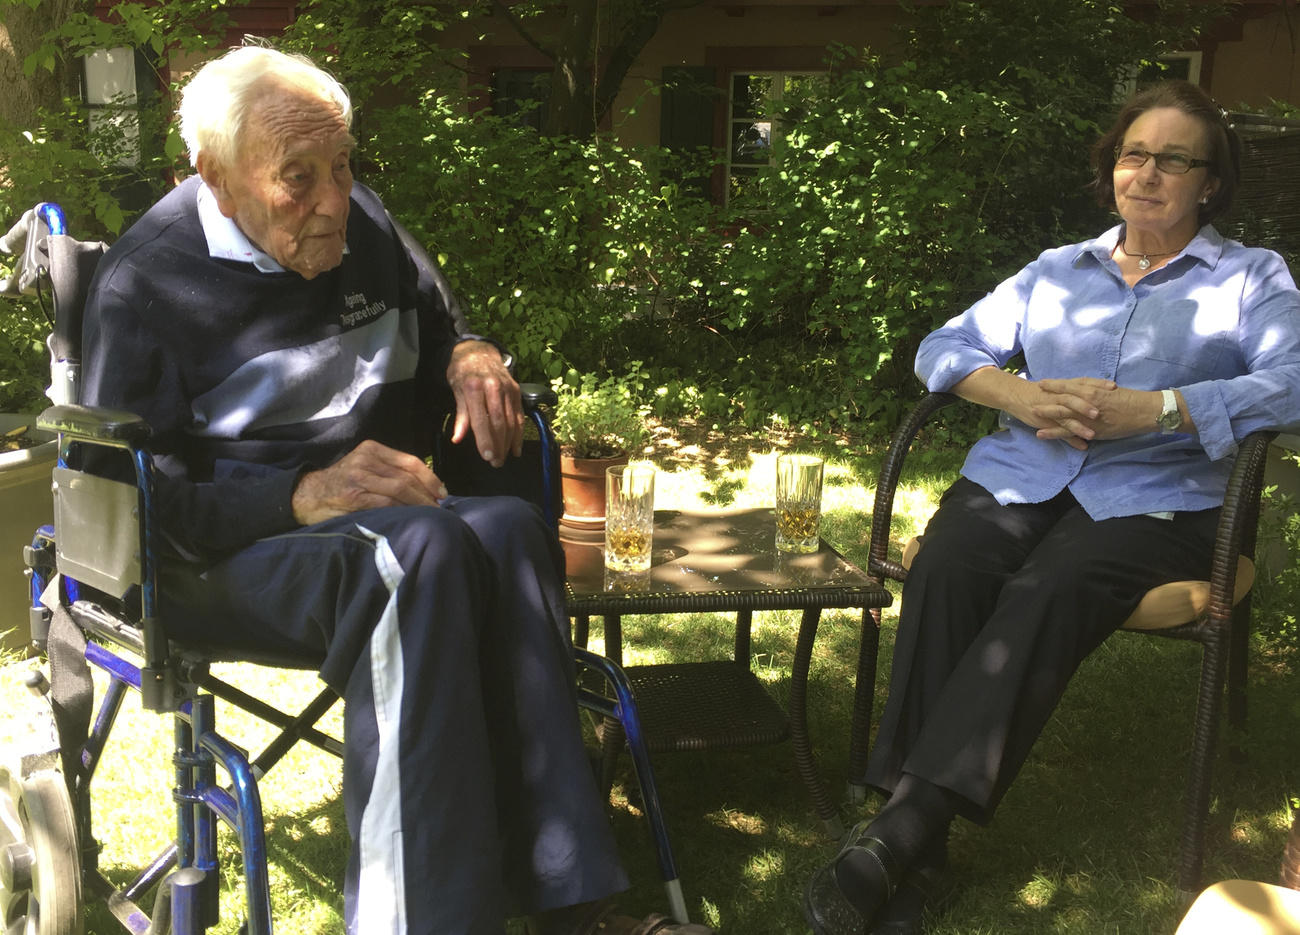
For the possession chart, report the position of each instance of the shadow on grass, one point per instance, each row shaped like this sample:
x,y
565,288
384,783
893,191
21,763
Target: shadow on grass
x,y
1086,841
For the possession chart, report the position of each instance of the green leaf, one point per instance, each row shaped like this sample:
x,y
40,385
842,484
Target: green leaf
x,y
174,146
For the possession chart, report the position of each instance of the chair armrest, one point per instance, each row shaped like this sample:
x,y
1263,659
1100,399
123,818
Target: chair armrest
x,y
115,428
1238,522
91,424
878,562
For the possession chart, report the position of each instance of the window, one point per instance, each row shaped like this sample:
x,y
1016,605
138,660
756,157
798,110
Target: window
x,y
111,93
754,125
1184,65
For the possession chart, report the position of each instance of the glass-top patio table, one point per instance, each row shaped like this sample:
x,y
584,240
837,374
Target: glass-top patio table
x,y
719,561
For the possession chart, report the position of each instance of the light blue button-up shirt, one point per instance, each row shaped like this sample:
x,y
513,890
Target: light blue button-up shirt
x,y
1220,322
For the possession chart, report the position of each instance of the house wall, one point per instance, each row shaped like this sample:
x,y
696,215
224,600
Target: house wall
x,y
785,36
1263,64
755,39
1246,61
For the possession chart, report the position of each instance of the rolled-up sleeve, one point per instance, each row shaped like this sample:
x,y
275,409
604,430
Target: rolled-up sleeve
x,y
1267,395
986,334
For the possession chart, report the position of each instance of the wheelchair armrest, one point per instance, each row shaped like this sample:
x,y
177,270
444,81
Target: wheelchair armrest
x,y
93,424
878,562
537,394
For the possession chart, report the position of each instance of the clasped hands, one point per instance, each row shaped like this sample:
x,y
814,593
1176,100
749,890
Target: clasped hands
x,y
1083,409
373,475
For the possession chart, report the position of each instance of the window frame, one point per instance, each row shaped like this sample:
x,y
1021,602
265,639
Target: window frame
x,y
774,131
1194,58
111,92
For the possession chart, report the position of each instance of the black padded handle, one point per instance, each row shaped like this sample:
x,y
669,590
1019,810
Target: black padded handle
x,y
537,394
95,424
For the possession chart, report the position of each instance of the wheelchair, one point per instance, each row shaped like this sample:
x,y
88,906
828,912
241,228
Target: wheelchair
x,y
93,578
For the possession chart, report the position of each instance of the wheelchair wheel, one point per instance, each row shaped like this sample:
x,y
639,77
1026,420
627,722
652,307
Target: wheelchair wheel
x,y
40,877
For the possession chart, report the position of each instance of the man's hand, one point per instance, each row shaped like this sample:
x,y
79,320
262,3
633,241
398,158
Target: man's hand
x,y
367,477
487,401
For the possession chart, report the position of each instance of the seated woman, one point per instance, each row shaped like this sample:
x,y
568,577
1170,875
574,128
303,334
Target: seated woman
x,y
1150,352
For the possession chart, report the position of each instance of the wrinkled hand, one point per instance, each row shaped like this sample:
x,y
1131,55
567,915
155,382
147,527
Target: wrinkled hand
x,y
368,477
1082,409
487,401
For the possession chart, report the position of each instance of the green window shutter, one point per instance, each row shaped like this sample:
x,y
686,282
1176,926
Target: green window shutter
x,y
688,102
688,107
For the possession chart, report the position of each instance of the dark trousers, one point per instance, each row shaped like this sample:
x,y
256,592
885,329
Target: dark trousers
x,y
999,608
468,791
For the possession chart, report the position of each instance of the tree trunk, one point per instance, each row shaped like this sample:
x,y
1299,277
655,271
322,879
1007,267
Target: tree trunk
x,y
570,110
586,79
21,31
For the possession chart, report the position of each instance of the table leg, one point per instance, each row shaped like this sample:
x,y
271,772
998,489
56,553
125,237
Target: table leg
x,y
614,638
803,756
744,626
864,695
581,630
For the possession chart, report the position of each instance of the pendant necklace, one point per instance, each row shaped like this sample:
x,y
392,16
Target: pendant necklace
x,y
1145,262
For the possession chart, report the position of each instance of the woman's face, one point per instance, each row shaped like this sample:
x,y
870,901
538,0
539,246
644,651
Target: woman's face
x,y
1157,203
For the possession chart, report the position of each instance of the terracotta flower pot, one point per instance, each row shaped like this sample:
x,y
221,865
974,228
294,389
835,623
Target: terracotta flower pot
x,y
582,484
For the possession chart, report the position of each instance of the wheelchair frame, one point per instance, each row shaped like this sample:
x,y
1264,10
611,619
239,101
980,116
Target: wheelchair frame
x,y
48,855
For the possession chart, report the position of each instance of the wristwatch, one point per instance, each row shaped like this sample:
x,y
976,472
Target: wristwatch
x,y
1170,418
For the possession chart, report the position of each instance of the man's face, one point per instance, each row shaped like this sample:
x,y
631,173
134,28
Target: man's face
x,y
288,190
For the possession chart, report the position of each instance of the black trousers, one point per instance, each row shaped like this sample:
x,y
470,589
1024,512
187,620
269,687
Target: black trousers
x,y
999,608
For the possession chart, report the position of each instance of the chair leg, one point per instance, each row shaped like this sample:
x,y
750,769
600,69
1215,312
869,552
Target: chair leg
x,y
864,696
201,801
623,711
1197,807
1238,658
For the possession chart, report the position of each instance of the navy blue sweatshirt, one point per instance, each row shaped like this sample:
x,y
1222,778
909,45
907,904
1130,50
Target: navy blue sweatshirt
x,y
250,378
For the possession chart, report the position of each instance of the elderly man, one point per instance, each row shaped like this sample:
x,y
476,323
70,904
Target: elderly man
x,y
265,319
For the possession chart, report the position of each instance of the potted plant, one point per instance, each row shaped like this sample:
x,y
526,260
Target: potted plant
x,y
27,455
597,423
26,460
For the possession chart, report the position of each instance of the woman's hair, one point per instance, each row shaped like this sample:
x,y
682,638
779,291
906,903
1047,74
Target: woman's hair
x,y
216,101
1225,146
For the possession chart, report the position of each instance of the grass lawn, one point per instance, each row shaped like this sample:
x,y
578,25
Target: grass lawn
x,y
1085,842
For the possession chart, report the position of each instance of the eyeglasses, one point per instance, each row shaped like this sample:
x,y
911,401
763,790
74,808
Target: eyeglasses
x,y
1130,157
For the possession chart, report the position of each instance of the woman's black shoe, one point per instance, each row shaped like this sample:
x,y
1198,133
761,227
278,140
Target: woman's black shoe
x,y
828,910
923,890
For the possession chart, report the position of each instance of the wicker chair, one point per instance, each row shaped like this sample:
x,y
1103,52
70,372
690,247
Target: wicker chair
x,y
1213,612
1248,907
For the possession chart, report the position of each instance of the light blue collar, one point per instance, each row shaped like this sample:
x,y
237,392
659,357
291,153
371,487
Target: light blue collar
x,y
225,240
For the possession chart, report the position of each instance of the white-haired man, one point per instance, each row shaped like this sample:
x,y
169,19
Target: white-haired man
x,y
291,358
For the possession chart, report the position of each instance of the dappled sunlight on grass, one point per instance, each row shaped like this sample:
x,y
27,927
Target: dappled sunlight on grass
x,y
710,914
743,822
913,507
132,810
765,866
1038,893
